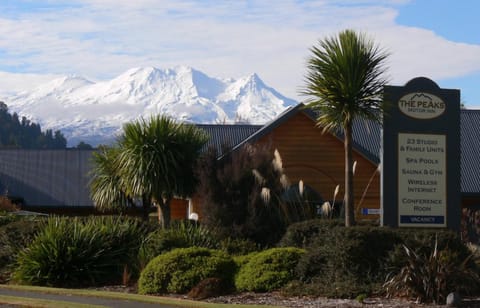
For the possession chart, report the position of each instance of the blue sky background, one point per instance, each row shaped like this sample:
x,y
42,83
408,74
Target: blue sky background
x,y
457,21
100,39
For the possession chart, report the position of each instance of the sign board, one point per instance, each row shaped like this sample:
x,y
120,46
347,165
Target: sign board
x,y
370,211
421,156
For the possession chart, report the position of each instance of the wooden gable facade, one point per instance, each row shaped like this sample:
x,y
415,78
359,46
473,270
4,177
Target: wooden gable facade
x,y
316,158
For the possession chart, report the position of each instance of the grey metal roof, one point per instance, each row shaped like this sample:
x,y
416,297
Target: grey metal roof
x,y
366,138
470,151
270,126
226,135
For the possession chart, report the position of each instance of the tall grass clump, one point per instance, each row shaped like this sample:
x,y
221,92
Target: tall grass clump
x,y
73,252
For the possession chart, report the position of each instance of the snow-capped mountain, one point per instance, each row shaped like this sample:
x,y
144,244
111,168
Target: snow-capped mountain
x,y
94,112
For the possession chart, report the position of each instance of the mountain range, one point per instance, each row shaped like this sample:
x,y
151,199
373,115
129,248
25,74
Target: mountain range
x,y
94,112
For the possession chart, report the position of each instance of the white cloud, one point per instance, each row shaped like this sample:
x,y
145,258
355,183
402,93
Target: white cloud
x,y
102,38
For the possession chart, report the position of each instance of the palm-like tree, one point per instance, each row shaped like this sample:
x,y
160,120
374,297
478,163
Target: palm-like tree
x,y
345,80
105,187
157,161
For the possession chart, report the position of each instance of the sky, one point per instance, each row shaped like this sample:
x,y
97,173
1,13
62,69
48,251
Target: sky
x,y
100,39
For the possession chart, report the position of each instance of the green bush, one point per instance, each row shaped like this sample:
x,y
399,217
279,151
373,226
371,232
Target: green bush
x,y
241,260
301,234
6,218
345,262
238,246
429,277
14,237
268,270
181,234
181,269
75,252
423,242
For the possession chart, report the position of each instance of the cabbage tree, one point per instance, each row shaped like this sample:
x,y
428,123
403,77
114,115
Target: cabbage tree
x,y
344,81
153,160
157,159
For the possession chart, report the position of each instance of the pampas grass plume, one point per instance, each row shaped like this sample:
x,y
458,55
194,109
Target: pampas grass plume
x,y
301,188
265,194
277,161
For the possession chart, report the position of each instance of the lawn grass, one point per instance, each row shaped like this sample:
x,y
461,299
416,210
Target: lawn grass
x,y
110,295
41,303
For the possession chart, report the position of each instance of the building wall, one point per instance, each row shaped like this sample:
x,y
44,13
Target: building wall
x,y
47,177
179,209
317,159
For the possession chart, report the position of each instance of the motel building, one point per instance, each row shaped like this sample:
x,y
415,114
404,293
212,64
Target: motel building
x,y
405,172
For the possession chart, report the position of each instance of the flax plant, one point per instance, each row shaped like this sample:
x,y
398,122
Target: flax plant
x,y
73,252
430,277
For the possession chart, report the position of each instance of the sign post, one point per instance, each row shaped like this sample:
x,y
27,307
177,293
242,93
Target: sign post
x,y
420,158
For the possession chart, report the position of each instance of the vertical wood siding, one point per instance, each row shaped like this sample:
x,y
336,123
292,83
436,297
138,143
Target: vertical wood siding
x,y
318,159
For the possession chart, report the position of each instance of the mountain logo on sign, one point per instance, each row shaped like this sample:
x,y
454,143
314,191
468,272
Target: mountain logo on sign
x,y
423,106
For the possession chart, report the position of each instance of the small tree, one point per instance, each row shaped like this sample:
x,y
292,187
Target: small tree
x,y
105,187
344,81
157,159
153,160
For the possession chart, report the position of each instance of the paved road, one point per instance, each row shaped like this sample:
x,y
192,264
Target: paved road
x,y
116,303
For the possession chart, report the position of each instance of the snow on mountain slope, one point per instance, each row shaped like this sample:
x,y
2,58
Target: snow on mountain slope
x,y
94,112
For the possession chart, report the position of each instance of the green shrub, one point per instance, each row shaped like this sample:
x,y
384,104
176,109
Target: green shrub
x,y
346,262
6,205
240,261
238,246
181,269
423,242
6,218
14,237
357,250
80,252
302,234
181,234
268,270
429,277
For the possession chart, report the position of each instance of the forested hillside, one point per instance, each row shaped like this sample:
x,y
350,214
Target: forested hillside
x,y
22,133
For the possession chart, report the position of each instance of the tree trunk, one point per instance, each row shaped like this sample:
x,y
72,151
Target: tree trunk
x,y
163,211
349,195
146,207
